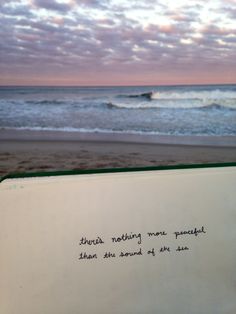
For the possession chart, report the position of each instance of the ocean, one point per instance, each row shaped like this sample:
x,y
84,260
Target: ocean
x,y
157,110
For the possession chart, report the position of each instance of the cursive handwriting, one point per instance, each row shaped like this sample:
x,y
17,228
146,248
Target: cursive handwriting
x,y
140,246
126,236
84,241
194,231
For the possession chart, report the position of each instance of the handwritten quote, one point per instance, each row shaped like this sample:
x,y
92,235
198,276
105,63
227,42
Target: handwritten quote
x,y
137,239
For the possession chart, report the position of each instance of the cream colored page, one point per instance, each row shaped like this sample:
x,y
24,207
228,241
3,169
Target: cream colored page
x,y
145,242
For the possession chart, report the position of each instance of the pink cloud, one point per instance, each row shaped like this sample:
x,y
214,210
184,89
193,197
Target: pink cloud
x,y
28,37
58,20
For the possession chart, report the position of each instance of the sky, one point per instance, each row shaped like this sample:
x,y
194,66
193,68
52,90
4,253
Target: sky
x,y
117,42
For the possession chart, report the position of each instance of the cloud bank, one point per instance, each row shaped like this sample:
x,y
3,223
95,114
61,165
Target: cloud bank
x,y
91,42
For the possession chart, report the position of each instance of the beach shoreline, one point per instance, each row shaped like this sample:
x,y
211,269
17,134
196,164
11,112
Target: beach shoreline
x,y
37,151
117,137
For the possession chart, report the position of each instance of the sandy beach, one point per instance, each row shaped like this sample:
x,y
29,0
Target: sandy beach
x,y
34,151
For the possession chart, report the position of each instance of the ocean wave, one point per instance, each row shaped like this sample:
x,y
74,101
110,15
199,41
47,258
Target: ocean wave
x,y
83,130
54,103
210,104
202,95
45,102
63,105
116,131
225,106
32,102
147,95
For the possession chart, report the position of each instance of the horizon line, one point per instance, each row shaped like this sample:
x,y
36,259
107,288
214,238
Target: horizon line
x,y
138,85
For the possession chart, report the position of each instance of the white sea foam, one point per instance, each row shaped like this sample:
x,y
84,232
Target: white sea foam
x,y
201,95
83,130
177,104
107,131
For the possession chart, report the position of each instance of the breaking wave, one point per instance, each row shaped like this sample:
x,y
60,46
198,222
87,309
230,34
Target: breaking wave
x,y
204,94
147,95
225,105
214,99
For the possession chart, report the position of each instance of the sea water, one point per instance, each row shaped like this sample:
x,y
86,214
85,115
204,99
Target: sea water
x,y
165,110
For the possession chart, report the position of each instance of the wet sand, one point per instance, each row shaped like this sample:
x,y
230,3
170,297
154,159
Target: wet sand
x,y
32,151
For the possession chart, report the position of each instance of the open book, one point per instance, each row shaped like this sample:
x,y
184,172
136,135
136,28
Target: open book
x,y
150,241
